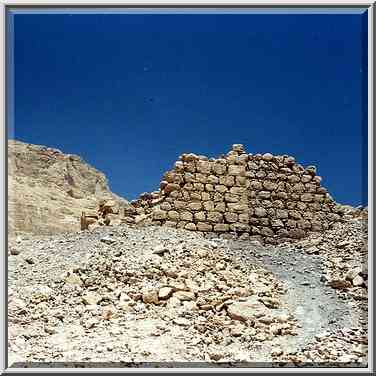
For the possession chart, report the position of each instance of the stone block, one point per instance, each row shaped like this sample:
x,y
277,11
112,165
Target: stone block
x,y
212,179
199,187
236,170
194,206
256,185
220,188
238,208
218,197
190,167
208,205
219,168
294,214
260,174
203,226
240,181
220,207
306,178
263,194
205,196
186,216
227,180
306,197
276,223
174,215
244,218
231,217
260,212
201,178
297,233
237,190
166,206
195,196
179,204
214,217
238,148
221,227
200,216
204,167
231,198
293,179
159,214
190,226
269,185
282,214
240,227
171,224
267,157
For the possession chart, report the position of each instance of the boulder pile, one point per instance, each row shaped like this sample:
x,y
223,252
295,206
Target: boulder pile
x,y
177,282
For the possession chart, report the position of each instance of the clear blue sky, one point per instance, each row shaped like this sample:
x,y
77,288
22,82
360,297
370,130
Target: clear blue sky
x,y
131,92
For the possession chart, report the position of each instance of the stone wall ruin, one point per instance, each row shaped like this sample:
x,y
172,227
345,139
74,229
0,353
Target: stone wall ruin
x,y
270,198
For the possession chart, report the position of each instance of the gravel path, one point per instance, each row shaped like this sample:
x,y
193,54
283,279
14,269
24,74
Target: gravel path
x,y
316,306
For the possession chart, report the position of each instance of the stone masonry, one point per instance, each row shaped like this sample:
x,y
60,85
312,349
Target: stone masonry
x,y
264,197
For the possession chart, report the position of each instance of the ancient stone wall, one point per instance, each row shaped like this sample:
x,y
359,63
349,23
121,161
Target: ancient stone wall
x,y
271,198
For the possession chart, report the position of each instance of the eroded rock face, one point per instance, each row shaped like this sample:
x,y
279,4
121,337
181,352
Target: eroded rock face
x,y
48,190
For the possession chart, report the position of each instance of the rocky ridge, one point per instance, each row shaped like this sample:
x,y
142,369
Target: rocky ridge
x,y
48,190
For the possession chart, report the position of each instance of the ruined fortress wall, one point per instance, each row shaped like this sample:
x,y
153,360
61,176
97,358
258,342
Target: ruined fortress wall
x,y
259,196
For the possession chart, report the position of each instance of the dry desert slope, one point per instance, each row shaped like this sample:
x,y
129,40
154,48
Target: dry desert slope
x,y
48,190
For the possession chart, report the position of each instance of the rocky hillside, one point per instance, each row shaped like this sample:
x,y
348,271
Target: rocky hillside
x,y
48,190
128,296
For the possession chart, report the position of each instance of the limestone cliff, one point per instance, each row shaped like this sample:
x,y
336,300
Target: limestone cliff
x,y
48,190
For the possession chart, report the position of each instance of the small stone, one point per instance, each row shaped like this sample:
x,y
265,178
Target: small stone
x,y
159,250
237,330
181,321
90,323
343,244
73,279
190,306
353,273
216,355
108,240
358,281
184,295
248,310
173,302
239,148
15,251
150,296
277,351
165,292
91,298
50,330
339,284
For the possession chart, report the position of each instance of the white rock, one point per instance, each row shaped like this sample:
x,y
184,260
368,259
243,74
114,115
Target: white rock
x,y
165,292
184,295
91,298
358,281
181,321
248,310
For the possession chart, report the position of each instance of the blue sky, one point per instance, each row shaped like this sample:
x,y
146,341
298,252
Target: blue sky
x,y
131,92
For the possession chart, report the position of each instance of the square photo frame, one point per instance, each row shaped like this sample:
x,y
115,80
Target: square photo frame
x,y
187,187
